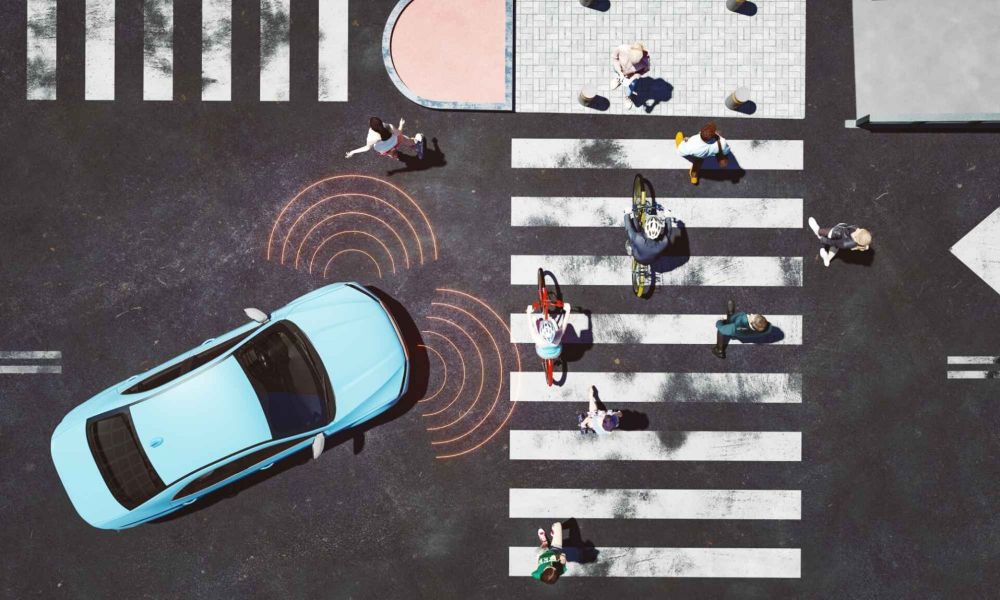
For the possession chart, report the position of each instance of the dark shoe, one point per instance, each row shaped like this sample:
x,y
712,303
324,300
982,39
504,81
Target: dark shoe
x,y
719,352
730,308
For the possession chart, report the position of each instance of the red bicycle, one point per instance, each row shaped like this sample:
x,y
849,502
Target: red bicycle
x,y
547,304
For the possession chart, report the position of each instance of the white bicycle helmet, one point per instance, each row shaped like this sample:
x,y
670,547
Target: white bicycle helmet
x,y
548,330
653,227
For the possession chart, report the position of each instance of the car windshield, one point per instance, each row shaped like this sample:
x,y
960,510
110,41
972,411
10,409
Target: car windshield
x,y
289,380
121,461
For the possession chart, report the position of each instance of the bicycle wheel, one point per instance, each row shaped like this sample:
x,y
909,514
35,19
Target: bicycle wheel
x,y
638,279
542,293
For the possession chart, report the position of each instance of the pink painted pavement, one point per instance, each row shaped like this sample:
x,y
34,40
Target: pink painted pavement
x,y
452,50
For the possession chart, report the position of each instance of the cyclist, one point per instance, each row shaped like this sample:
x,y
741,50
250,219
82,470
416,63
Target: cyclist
x,y
547,333
645,244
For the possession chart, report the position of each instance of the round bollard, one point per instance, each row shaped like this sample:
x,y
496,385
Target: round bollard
x,y
738,98
587,95
733,5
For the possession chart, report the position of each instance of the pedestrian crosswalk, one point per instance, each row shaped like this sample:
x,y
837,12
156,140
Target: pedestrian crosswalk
x,y
672,562
604,330
744,271
639,328
217,69
645,154
762,388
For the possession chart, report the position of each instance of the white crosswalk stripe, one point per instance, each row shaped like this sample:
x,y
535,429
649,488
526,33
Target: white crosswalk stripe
x,y
41,50
529,503
644,155
745,213
622,388
649,329
334,30
757,446
275,53
216,50
28,369
973,374
973,360
672,562
745,271
99,50
158,50
217,68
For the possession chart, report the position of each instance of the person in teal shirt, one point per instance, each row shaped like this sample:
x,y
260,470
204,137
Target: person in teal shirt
x,y
746,327
551,558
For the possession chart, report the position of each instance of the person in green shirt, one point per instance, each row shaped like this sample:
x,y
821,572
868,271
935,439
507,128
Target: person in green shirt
x,y
551,558
746,327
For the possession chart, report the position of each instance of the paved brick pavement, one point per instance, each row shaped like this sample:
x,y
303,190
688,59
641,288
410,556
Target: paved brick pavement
x,y
701,49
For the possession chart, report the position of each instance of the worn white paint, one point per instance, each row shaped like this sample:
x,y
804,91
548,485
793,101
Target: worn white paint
x,y
575,211
973,374
782,563
334,28
216,50
980,250
531,503
99,50
973,360
649,328
623,388
30,355
638,154
552,445
29,369
42,59
158,50
275,50
737,271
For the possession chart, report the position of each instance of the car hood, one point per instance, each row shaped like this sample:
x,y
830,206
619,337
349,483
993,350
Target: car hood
x,y
200,420
79,474
358,344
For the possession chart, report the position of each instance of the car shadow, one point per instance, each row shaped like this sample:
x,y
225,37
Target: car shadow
x,y
419,365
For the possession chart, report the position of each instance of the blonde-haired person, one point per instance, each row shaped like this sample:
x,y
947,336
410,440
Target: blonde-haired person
x,y
630,62
840,237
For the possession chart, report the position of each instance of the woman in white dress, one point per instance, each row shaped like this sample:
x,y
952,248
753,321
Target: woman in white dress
x,y
386,140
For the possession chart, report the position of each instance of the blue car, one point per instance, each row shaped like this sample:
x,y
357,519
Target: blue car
x,y
238,403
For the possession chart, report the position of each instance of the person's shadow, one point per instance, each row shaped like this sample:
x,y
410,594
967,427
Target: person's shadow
x,y
575,344
864,259
576,548
433,157
650,91
712,170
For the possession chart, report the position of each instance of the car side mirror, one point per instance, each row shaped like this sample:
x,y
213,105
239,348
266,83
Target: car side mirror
x,y
257,315
319,442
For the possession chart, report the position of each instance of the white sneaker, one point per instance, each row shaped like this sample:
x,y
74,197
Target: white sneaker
x,y
814,226
628,247
826,256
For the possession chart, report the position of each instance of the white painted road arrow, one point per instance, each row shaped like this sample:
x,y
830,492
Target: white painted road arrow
x,y
980,250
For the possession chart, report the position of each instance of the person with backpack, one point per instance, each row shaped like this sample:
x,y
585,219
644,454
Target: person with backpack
x,y
840,237
551,557
387,140
746,327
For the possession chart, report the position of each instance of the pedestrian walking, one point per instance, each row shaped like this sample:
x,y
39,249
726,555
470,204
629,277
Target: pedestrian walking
x,y
746,327
551,557
598,419
387,140
697,148
630,62
840,237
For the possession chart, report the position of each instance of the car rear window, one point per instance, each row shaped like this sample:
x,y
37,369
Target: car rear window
x,y
124,466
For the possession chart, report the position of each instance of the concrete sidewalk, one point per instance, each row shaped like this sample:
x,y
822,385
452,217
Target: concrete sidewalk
x,y
700,53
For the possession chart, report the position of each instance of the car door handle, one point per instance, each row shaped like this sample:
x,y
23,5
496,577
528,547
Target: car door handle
x,y
208,341
191,501
267,466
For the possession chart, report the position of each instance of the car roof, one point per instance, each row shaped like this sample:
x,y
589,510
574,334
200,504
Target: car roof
x,y
205,417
